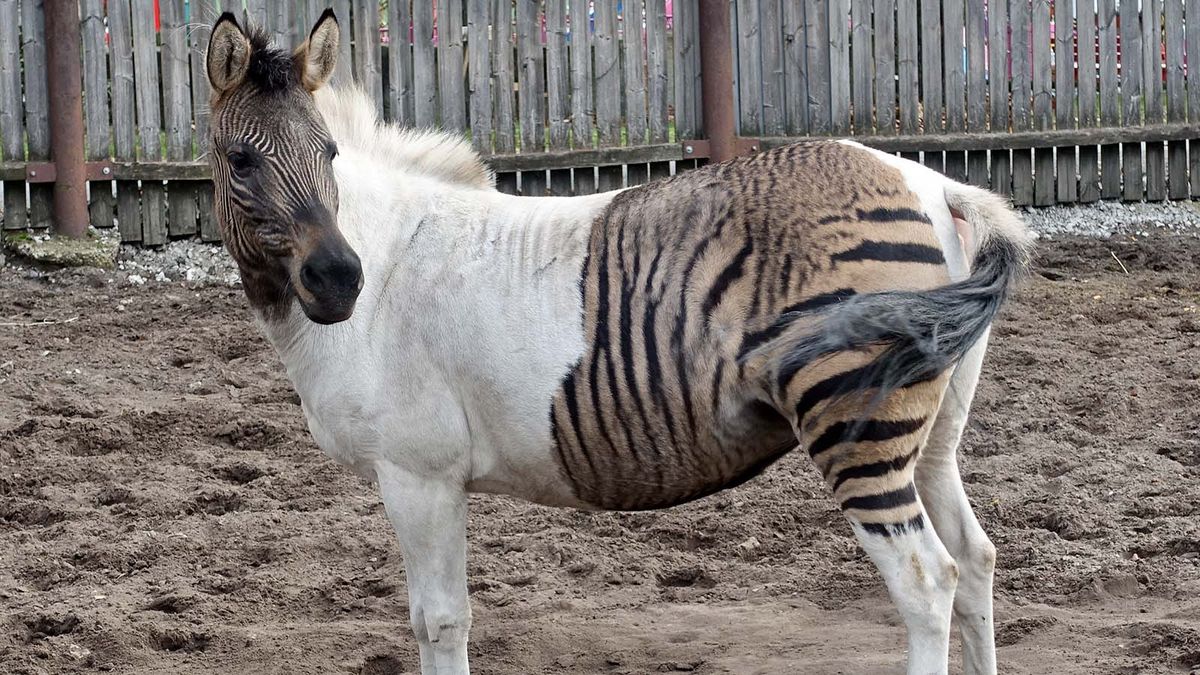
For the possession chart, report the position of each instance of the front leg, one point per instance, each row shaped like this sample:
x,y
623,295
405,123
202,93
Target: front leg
x,y
430,517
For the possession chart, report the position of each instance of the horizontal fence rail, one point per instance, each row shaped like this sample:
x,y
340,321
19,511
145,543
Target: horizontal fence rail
x,y
1047,101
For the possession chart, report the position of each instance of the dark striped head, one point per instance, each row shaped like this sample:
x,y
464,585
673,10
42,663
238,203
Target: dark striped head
x,y
272,162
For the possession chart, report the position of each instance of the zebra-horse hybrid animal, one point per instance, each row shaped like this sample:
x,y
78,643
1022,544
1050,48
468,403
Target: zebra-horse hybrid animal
x,y
628,350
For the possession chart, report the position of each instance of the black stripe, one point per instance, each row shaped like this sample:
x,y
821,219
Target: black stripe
x,y
883,500
570,395
618,407
914,524
628,284
790,314
857,379
858,432
889,251
874,469
560,444
886,215
732,272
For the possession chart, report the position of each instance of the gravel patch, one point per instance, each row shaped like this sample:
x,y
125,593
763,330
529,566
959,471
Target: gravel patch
x,y
196,263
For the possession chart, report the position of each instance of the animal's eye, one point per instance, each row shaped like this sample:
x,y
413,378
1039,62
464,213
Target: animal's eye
x,y
331,150
240,161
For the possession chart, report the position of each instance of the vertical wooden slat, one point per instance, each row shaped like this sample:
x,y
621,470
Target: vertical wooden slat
x,y
816,44
885,66
581,77
366,50
1193,85
634,63
479,14
687,73
124,117
531,88
954,50
908,59
95,107
749,68
1089,158
998,81
37,107
177,112
400,57
795,71
1132,99
256,12
657,58
838,22
279,23
977,161
1043,103
608,88
502,61
451,85
1152,81
1021,17
1176,97
12,117
861,61
558,93
343,72
149,121
932,95
424,75
198,43
1064,99
1110,98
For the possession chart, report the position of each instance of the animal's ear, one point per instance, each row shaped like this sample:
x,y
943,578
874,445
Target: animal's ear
x,y
228,54
317,57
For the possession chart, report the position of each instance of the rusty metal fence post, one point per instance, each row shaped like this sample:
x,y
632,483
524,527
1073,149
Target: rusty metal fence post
x,y
65,88
716,79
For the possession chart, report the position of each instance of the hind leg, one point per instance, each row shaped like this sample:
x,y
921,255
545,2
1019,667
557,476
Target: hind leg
x,y
870,467
941,490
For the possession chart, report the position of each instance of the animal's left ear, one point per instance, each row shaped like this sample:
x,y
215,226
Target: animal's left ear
x,y
317,57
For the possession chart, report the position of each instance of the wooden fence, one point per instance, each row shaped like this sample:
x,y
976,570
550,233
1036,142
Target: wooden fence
x,y
1047,101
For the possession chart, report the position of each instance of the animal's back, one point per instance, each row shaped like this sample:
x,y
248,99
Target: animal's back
x,y
684,277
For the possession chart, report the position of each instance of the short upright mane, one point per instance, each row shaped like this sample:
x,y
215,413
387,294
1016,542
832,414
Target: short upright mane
x,y
350,115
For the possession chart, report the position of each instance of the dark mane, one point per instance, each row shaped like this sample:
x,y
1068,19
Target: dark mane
x,y
272,70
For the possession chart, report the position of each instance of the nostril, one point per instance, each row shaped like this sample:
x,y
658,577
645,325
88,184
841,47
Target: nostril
x,y
310,277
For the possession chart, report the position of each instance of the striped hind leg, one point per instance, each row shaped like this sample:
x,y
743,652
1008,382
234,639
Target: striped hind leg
x,y
870,467
941,490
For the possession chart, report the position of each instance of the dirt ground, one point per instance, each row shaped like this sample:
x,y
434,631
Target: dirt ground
x,y
163,509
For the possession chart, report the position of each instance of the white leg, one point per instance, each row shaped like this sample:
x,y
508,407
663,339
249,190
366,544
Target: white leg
x,y
941,490
430,518
920,576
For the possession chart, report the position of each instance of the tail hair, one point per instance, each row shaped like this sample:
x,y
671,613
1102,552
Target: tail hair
x,y
922,333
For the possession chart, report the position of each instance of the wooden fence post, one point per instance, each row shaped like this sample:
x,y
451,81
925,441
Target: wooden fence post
x,y
716,73
64,81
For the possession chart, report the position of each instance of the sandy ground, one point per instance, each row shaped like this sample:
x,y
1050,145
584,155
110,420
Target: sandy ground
x,y
163,510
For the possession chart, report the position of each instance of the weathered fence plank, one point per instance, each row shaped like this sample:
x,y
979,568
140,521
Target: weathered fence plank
x,y
953,29
182,213
838,33
1176,97
774,120
366,48
1021,18
861,61
97,127
608,88
933,97
1043,104
37,108
343,72
749,67
279,23
885,67
1132,95
558,92
198,43
1152,80
998,91
531,97
977,104
1064,100
425,103
1110,99
1193,85
687,71
657,58
795,72
124,115
451,85
1089,159
400,57
12,117
816,42
502,62
479,65
635,74
908,59
149,121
